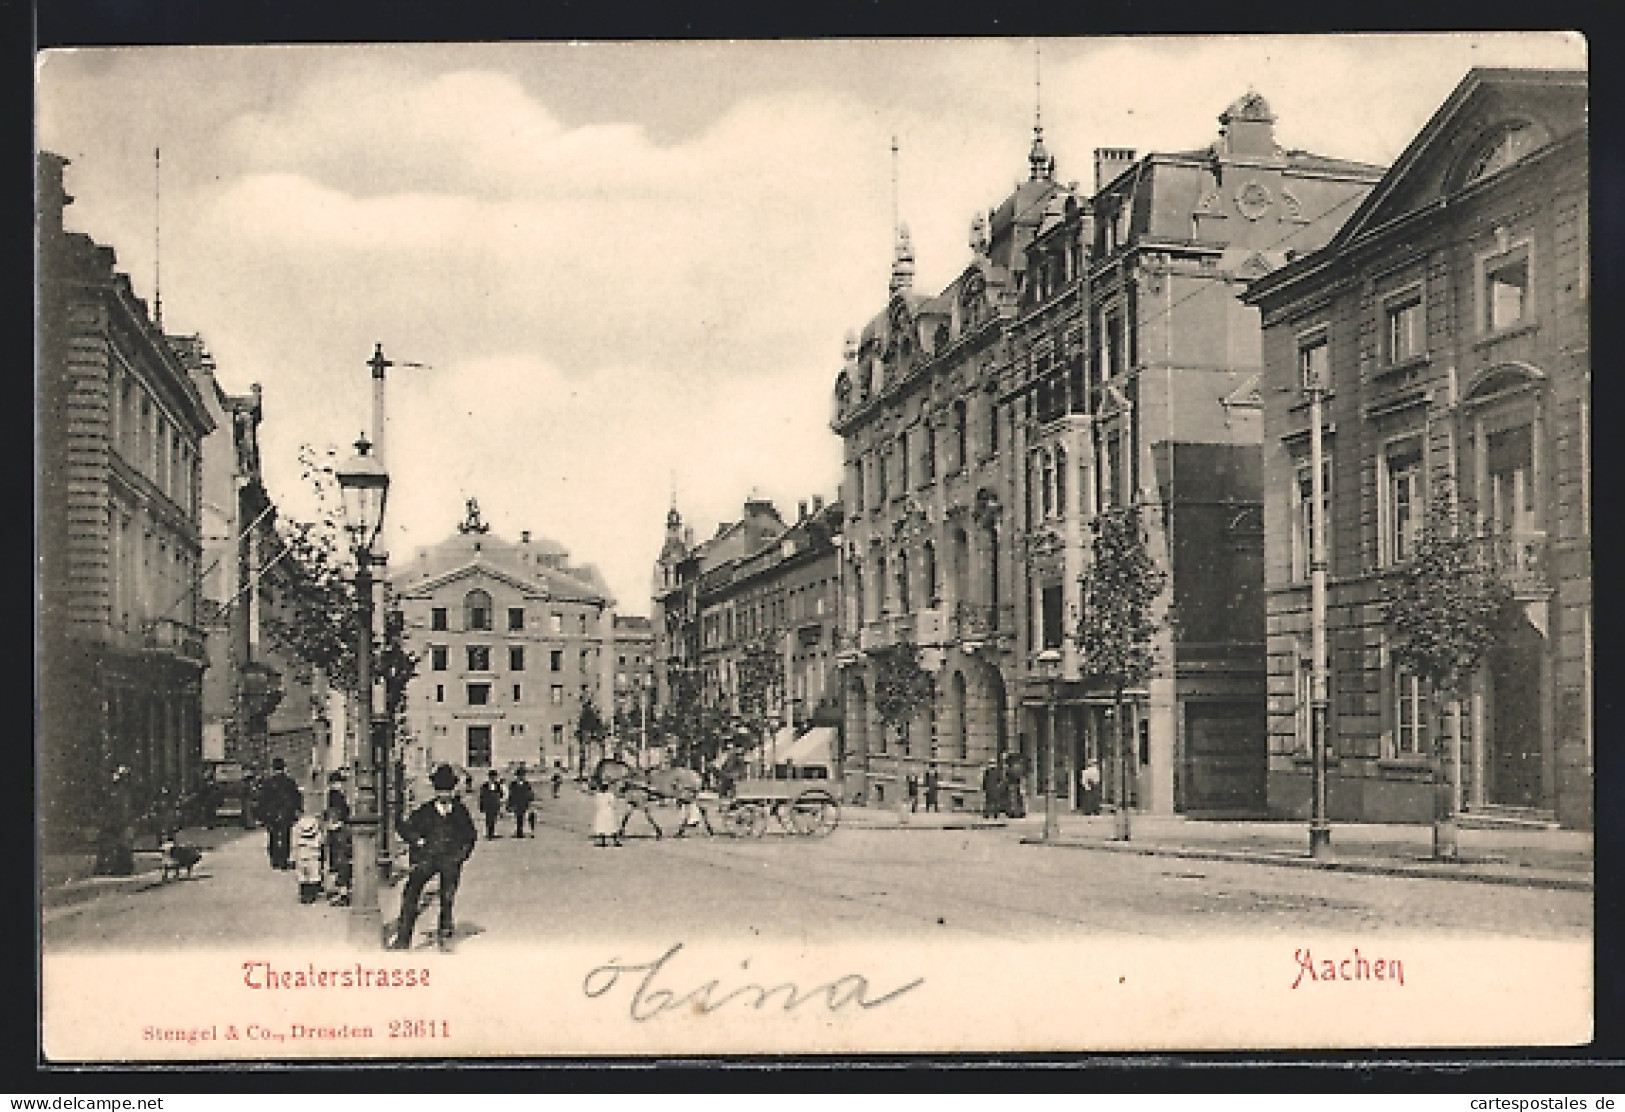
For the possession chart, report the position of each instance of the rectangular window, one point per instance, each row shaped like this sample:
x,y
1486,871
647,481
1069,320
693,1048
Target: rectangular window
x,y
1051,597
556,695
479,658
479,617
1314,363
902,462
479,747
437,618
555,660
516,617
1403,504
517,693
479,694
1506,290
1303,515
1114,344
1403,331
558,736
516,658
437,656
1410,715
440,693
583,623
558,622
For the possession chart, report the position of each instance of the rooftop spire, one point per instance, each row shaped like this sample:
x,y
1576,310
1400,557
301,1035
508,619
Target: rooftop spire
x,y
902,267
1042,166
157,253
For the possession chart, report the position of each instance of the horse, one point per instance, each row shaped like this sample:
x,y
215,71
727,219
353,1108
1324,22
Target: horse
x,y
640,787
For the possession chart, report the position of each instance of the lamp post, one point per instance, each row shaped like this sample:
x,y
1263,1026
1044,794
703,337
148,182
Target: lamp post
x,y
365,486
1049,666
1320,832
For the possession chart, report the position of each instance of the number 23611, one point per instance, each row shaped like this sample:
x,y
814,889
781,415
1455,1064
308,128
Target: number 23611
x,y
419,1029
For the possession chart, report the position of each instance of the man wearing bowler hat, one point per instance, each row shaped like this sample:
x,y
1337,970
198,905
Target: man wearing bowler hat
x,y
441,836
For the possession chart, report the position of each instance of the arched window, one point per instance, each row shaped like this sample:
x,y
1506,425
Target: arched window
x,y
931,592
857,591
880,584
477,610
959,566
960,455
902,583
1046,483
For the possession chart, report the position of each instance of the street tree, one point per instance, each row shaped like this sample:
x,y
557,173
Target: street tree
x,y
1445,609
590,729
758,676
903,688
1118,623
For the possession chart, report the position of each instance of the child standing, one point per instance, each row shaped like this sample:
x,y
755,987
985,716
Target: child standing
x,y
308,836
605,825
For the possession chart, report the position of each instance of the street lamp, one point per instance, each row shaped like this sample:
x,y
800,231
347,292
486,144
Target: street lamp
x,y
365,485
1049,666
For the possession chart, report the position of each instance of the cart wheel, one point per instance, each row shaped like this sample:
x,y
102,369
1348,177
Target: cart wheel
x,y
814,812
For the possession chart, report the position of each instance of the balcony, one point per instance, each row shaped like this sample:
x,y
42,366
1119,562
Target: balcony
x,y
976,621
175,639
1521,558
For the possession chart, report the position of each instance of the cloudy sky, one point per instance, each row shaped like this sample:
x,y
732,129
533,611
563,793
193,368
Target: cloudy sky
x,y
624,262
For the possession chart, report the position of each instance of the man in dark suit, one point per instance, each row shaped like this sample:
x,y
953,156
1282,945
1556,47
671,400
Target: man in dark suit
x,y
279,804
491,802
441,836
520,797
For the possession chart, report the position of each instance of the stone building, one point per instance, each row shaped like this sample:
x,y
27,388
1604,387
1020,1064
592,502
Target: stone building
x,y
258,701
634,678
119,434
927,486
1134,379
1450,320
1094,353
512,640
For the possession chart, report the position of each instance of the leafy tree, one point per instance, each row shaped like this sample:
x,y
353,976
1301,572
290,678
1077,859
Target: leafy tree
x,y
1118,622
590,728
903,688
1445,608
759,674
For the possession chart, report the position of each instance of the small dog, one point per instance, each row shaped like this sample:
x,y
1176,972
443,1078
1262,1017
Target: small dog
x,y
178,859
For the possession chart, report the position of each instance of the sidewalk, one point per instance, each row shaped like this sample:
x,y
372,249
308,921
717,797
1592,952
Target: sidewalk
x,y
1535,858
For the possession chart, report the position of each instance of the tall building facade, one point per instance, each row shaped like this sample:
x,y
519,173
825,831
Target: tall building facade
x,y
258,700
1094,354
634,678
512,640
1449,320
120,431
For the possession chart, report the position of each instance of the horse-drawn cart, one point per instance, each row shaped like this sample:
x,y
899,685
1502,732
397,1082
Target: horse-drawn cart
x,y
747,807
754,804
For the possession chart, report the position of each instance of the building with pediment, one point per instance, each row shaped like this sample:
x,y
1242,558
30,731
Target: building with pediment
x,y
512,639
1449,319
1094,352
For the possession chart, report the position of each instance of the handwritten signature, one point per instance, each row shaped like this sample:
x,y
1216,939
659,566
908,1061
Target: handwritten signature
x,y
649,1001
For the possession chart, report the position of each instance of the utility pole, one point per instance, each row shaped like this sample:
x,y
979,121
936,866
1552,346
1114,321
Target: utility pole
x,y
1320,833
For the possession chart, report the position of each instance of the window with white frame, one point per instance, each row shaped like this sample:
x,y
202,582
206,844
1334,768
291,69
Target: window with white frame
x,y
1314,362
1403,332
1403,501
1506,290
1303,518
1410,714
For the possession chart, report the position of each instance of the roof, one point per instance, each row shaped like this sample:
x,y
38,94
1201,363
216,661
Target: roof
x,y
527,565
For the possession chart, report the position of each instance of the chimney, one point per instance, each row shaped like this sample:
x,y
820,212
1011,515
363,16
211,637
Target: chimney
x,y
1109,162
801,510
817,503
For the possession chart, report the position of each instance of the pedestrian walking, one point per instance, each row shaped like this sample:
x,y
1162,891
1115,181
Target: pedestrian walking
x,y
1089,783
308,836
337,814
491,803
279,804
441,836
913,783
520,796
933,785
992,791
605,823
558,778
